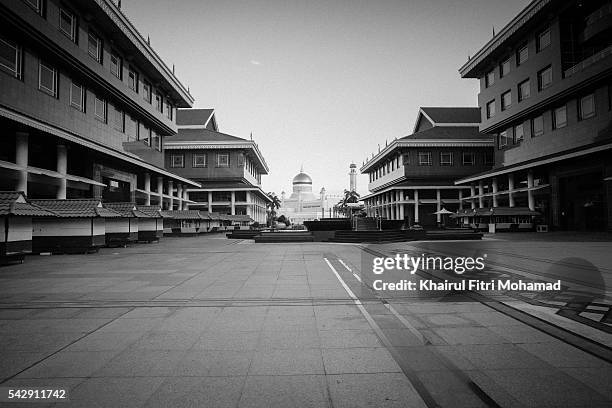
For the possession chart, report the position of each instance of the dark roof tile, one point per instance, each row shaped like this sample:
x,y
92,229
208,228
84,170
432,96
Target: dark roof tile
x,y
442,115
76,208
193,117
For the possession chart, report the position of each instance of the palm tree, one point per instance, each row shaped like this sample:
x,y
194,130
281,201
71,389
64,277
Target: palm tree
x,y
273,205
350,197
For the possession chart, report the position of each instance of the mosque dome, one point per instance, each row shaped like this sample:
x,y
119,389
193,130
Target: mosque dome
x,y
302,178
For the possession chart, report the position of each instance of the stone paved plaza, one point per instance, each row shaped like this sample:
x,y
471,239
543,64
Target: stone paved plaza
x,y
212,322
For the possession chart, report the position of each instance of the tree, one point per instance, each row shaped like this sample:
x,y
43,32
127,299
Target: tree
x,y
350,197
273,205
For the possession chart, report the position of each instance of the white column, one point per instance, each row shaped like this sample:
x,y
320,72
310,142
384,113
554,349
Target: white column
x,y
160,191
401,211
179,193
171,194
472,194
461,199
249,206
233,203
416,206
511,189
21,159
480,194
530,198
147,187
438,205
210,207
62,168
494,188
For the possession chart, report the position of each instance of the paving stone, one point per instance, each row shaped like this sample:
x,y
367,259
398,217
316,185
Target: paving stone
x,y
359,360
284,391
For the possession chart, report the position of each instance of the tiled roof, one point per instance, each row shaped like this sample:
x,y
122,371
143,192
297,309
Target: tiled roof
x,y
239,218
448,132
14,203
202,135
152,211
194,117
182,214
126,209
76,208
443,115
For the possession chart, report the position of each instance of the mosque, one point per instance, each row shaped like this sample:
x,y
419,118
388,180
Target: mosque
x,y
303,205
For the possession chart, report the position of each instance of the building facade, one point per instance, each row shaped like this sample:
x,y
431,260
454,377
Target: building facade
x,y
545,95
85,105
413,177
228,168
303,205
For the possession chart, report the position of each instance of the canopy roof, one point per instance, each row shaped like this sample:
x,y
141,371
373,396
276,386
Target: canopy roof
x,y
494,211
76,208
15,203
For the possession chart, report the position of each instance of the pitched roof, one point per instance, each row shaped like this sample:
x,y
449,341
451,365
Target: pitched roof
x,y
126,209
153,211
76,208
442,115
201,135
193,117
448,132
182,214
14,203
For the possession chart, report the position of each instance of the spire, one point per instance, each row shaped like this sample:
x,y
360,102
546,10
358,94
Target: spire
x,y
493,27
302,168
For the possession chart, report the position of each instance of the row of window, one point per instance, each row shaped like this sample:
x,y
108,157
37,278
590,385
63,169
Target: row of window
x,y
516,134
426,159
523,91
543,40
48,82
68,25
201,160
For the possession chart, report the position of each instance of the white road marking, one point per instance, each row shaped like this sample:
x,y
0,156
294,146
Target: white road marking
x,y
345,265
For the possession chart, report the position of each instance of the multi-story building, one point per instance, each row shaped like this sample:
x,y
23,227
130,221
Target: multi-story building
x,y
85,103
413,177
546,96
228,167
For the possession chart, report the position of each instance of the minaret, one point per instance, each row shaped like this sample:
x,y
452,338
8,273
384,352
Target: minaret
x,y
322,194
353,177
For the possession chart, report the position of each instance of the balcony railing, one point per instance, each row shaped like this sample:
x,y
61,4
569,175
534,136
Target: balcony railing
x,y
606,52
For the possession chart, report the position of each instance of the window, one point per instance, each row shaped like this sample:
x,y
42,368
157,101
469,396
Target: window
x,y
94,46
77,97
537,126
10,57
47,79
67,24
560,117
506,100
131,128
118,120
524,90
545,78
241,160
587,107
488,158
468,159
133,79
522,55
490,109
490,78
36,5
168,110
543,40
446,159
503,139
177,160
425,159
504,68
100,109
116,65
222,160
159,102
156,141
146,91
519,133
145,136
199,160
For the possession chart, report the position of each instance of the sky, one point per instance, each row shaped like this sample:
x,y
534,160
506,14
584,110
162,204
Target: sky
x,y
320,83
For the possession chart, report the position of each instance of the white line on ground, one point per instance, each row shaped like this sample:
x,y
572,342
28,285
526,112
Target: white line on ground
x,y
357,277
345,265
